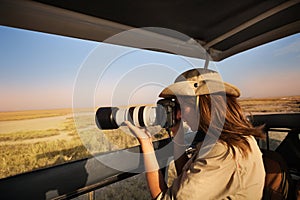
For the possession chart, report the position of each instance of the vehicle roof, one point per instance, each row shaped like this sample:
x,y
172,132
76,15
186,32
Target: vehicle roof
x,y
224,28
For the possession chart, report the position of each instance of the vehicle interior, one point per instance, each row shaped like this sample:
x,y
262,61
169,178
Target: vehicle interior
x,y
223,28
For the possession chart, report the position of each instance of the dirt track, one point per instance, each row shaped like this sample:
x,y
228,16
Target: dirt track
x,y
32,124
38,124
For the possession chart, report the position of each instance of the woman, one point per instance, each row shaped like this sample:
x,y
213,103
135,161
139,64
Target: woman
x,y
225,161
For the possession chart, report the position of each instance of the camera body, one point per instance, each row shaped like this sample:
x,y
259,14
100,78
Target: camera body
x,y
167,112
162,114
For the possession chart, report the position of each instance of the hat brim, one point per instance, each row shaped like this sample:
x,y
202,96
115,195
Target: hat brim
x,y
192,88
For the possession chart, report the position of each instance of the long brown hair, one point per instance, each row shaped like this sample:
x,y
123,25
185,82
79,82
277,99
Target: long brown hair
x,y
221,113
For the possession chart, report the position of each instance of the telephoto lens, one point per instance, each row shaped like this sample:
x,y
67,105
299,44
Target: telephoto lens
x,y
162,114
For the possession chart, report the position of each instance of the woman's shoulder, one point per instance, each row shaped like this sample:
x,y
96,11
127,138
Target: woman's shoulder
x,y
216,154
219,152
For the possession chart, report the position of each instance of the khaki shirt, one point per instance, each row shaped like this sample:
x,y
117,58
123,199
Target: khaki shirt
x,y
220,176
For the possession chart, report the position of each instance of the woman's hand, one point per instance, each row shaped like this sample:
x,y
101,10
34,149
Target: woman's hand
x,y
143,136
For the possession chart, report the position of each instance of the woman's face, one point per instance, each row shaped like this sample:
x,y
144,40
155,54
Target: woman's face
x,y
189,112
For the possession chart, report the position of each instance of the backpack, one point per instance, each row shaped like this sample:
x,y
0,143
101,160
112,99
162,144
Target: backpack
x,y
289,148
277,180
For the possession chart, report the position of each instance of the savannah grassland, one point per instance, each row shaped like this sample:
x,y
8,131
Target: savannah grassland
x,y
31,140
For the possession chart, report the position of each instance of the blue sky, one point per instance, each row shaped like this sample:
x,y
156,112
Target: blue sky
x,y
41,71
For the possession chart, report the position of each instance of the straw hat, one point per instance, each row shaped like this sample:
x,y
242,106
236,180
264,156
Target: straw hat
x,y
197,82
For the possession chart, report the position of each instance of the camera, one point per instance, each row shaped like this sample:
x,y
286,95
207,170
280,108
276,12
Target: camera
x,y
162,114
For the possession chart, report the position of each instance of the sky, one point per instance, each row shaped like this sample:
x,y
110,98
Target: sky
x,y
43,71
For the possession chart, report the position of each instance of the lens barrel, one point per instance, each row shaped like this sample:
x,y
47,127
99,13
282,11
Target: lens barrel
x,y
105,118
162,114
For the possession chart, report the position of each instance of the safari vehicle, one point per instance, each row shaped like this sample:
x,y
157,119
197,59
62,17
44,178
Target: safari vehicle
x,y
223,28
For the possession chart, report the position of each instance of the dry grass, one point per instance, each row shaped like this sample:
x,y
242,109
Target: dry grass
x,y
20,158
281,104
134,188
27,135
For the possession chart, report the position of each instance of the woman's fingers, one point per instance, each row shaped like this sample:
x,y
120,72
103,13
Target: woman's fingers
x,y
135,130
139,133
131,126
